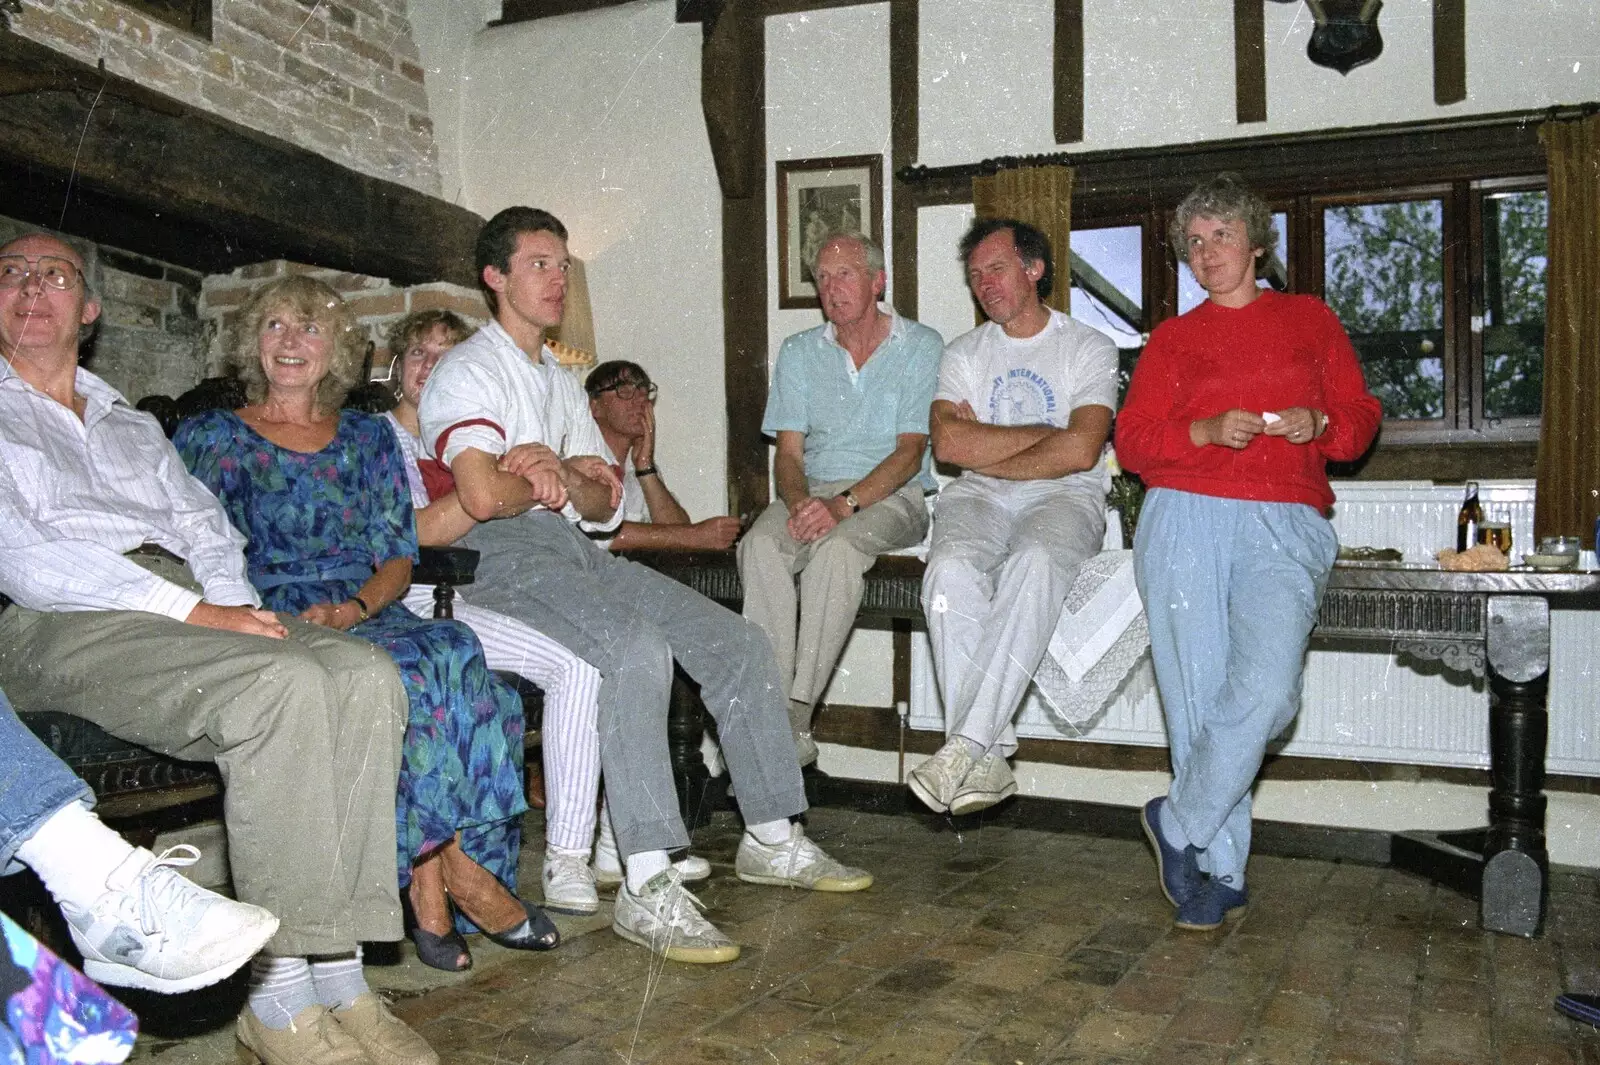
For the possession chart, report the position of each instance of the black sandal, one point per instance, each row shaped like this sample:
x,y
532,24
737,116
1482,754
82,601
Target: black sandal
x,y
536,932
442,952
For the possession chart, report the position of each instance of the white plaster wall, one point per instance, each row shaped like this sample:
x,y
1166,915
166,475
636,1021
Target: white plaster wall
x,y
443,30
828,94
597,118
1162,73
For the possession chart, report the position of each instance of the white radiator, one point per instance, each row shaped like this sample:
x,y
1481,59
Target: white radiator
x,y
1370,705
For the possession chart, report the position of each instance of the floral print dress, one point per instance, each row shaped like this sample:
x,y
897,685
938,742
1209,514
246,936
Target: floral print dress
x,y
54,1013
319,524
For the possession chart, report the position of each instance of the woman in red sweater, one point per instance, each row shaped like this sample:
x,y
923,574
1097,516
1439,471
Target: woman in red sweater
x,y
1234,411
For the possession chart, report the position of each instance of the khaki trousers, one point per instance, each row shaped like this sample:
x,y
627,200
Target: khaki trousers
x,y
306,732
807,642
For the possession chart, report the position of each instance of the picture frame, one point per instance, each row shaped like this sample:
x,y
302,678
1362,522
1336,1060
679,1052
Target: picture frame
x,y
814,197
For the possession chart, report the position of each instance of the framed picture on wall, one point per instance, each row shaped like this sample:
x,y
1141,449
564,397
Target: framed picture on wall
x,y
815,197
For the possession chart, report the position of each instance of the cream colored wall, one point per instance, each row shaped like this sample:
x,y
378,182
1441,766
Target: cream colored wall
x,y
597,118
1160,73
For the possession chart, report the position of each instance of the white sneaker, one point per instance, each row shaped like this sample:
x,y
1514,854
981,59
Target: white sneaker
x,y
937,780
569,884
155,930
608,863
797,863
990,781
665,917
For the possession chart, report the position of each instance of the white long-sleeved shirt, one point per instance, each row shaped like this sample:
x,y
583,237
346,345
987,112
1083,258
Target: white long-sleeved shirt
x,y
75,495
488,394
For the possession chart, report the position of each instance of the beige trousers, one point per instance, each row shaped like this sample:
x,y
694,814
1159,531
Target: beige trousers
x,y
807,641
306,732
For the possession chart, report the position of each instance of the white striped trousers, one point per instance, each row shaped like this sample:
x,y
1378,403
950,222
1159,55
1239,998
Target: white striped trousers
x,y
571,710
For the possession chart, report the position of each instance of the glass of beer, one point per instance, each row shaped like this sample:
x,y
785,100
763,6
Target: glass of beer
x,y
1497,533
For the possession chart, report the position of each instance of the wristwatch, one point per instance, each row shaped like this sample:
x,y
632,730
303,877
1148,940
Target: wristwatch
x,y
850,497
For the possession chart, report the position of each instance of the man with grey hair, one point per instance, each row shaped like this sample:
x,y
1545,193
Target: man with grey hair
x,y
849,410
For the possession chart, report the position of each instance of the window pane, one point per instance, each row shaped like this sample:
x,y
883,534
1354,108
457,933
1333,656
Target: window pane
x,y
1108,288
1384,278
1513,313
1191,295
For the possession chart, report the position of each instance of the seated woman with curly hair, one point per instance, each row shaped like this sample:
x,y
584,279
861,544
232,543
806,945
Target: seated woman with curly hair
x,y
321,493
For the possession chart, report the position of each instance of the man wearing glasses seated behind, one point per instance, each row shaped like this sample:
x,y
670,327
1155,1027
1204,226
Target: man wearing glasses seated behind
x,y
623,402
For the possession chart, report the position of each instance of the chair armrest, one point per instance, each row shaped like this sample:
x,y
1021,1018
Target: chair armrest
x,y
446,565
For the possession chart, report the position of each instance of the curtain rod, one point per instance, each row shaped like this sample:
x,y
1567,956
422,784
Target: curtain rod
x,y
916,174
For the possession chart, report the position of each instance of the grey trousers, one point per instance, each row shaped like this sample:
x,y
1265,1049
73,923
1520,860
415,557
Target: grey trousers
x,y
831,579
630,622
306,732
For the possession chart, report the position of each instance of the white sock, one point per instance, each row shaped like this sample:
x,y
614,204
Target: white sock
x,y
339,981
771,833
605,844
279,989
552,851
643,866
73,853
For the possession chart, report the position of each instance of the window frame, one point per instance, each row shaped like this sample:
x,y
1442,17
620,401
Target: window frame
x,y
1463,275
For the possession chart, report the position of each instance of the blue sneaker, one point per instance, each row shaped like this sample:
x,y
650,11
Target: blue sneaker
x,y
1580,1007
1179,870
1207,910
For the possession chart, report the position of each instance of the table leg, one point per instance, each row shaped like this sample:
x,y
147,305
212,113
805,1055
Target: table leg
x,y
1516,869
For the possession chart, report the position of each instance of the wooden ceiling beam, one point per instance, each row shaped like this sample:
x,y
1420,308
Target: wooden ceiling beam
x,y
106,159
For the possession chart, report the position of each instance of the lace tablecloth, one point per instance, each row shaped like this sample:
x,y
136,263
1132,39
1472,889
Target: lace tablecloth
x,y
1099,641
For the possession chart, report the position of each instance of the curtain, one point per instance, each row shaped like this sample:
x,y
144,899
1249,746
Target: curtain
x,y
1569,435
1042,197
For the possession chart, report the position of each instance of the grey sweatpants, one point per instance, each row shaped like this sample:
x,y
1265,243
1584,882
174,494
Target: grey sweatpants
x,y
305,730
630,622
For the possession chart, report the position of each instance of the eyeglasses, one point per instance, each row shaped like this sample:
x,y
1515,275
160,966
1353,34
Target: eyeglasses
x,y
50,270
628,390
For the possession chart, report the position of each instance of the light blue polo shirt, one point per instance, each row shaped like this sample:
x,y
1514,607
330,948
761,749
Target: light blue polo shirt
x,y
851,418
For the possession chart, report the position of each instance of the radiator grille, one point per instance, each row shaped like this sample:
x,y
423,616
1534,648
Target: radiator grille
x,y
1368,704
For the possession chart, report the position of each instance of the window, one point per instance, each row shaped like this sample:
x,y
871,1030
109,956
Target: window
x,y
1441,288
1513,304
1107,277
1383,275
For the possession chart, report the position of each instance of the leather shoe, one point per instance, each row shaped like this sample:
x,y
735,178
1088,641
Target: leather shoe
x,y
312,1038
386,1038
1178,870
1210,906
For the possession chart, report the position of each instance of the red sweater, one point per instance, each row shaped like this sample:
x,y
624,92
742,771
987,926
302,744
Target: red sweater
x,y
1278,351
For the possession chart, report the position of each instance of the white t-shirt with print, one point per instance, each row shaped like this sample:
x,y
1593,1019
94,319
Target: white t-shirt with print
x,y
1039,380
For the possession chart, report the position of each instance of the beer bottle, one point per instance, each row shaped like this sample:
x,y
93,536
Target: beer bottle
x,y
1468,519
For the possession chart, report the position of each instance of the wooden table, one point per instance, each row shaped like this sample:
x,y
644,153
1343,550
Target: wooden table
x,y
1488,624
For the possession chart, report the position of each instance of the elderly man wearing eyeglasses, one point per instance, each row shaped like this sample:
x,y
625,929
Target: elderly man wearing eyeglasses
x,y
623,402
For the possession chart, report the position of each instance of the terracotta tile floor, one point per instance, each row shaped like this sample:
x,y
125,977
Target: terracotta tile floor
x,y
1013,945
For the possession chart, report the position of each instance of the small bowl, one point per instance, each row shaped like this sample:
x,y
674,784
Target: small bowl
x,y
1558,545
1541,560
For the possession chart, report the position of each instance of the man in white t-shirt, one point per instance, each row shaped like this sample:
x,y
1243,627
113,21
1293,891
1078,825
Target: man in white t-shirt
x,y
1023,408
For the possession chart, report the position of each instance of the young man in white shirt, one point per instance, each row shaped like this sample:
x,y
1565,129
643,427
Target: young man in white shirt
x,y
133,611
1023,408
516,432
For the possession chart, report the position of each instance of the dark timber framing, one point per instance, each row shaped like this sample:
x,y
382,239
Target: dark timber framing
x,y
102,158
1449,51
1250,60
733,97
1068,112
